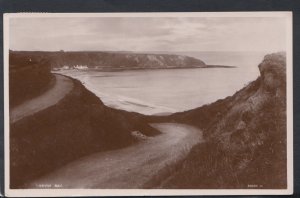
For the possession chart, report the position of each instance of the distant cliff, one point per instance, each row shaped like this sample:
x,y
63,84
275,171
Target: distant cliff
x,y
245,136
115,60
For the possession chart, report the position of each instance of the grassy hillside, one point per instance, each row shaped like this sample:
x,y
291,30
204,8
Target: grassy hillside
x,y
27,78
78,125
245,137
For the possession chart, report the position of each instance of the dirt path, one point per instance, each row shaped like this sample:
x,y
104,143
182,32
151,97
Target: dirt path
x,y
130,167
63,86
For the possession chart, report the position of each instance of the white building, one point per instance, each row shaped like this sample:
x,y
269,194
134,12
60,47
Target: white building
x,y
80,67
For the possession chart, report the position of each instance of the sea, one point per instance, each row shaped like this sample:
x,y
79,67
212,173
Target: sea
x,y
166,91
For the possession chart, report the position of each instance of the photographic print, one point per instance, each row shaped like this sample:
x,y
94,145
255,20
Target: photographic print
x,y
148,103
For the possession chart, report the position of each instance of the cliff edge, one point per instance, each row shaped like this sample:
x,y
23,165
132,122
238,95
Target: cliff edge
x,y
245,136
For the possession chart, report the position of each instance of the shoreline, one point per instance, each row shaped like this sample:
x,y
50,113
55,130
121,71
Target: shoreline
x,y
96,127
130,103
146,69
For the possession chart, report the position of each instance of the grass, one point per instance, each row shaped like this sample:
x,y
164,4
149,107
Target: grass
x,y
218,165
77,126
245,138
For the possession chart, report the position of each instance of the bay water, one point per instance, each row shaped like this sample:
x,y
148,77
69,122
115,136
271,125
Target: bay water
x,y
165,91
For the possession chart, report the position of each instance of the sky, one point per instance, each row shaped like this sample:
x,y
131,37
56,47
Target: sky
x,y
148,34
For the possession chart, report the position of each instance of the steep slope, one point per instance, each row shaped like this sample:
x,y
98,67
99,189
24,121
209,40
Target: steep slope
x,y
77,125
115,60
245,136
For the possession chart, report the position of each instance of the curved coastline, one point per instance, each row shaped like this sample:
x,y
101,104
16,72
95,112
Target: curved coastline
x,y
80,124
162,92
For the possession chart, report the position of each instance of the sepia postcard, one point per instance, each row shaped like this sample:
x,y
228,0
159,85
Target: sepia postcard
x,y
119,104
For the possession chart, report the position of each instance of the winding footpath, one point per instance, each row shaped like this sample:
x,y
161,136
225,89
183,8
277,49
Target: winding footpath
x,y
62,87
127,168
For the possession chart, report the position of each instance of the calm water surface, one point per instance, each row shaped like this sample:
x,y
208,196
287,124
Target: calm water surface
x,y
168,90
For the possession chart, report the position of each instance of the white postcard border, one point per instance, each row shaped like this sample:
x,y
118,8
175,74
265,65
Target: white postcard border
x,y
150,192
